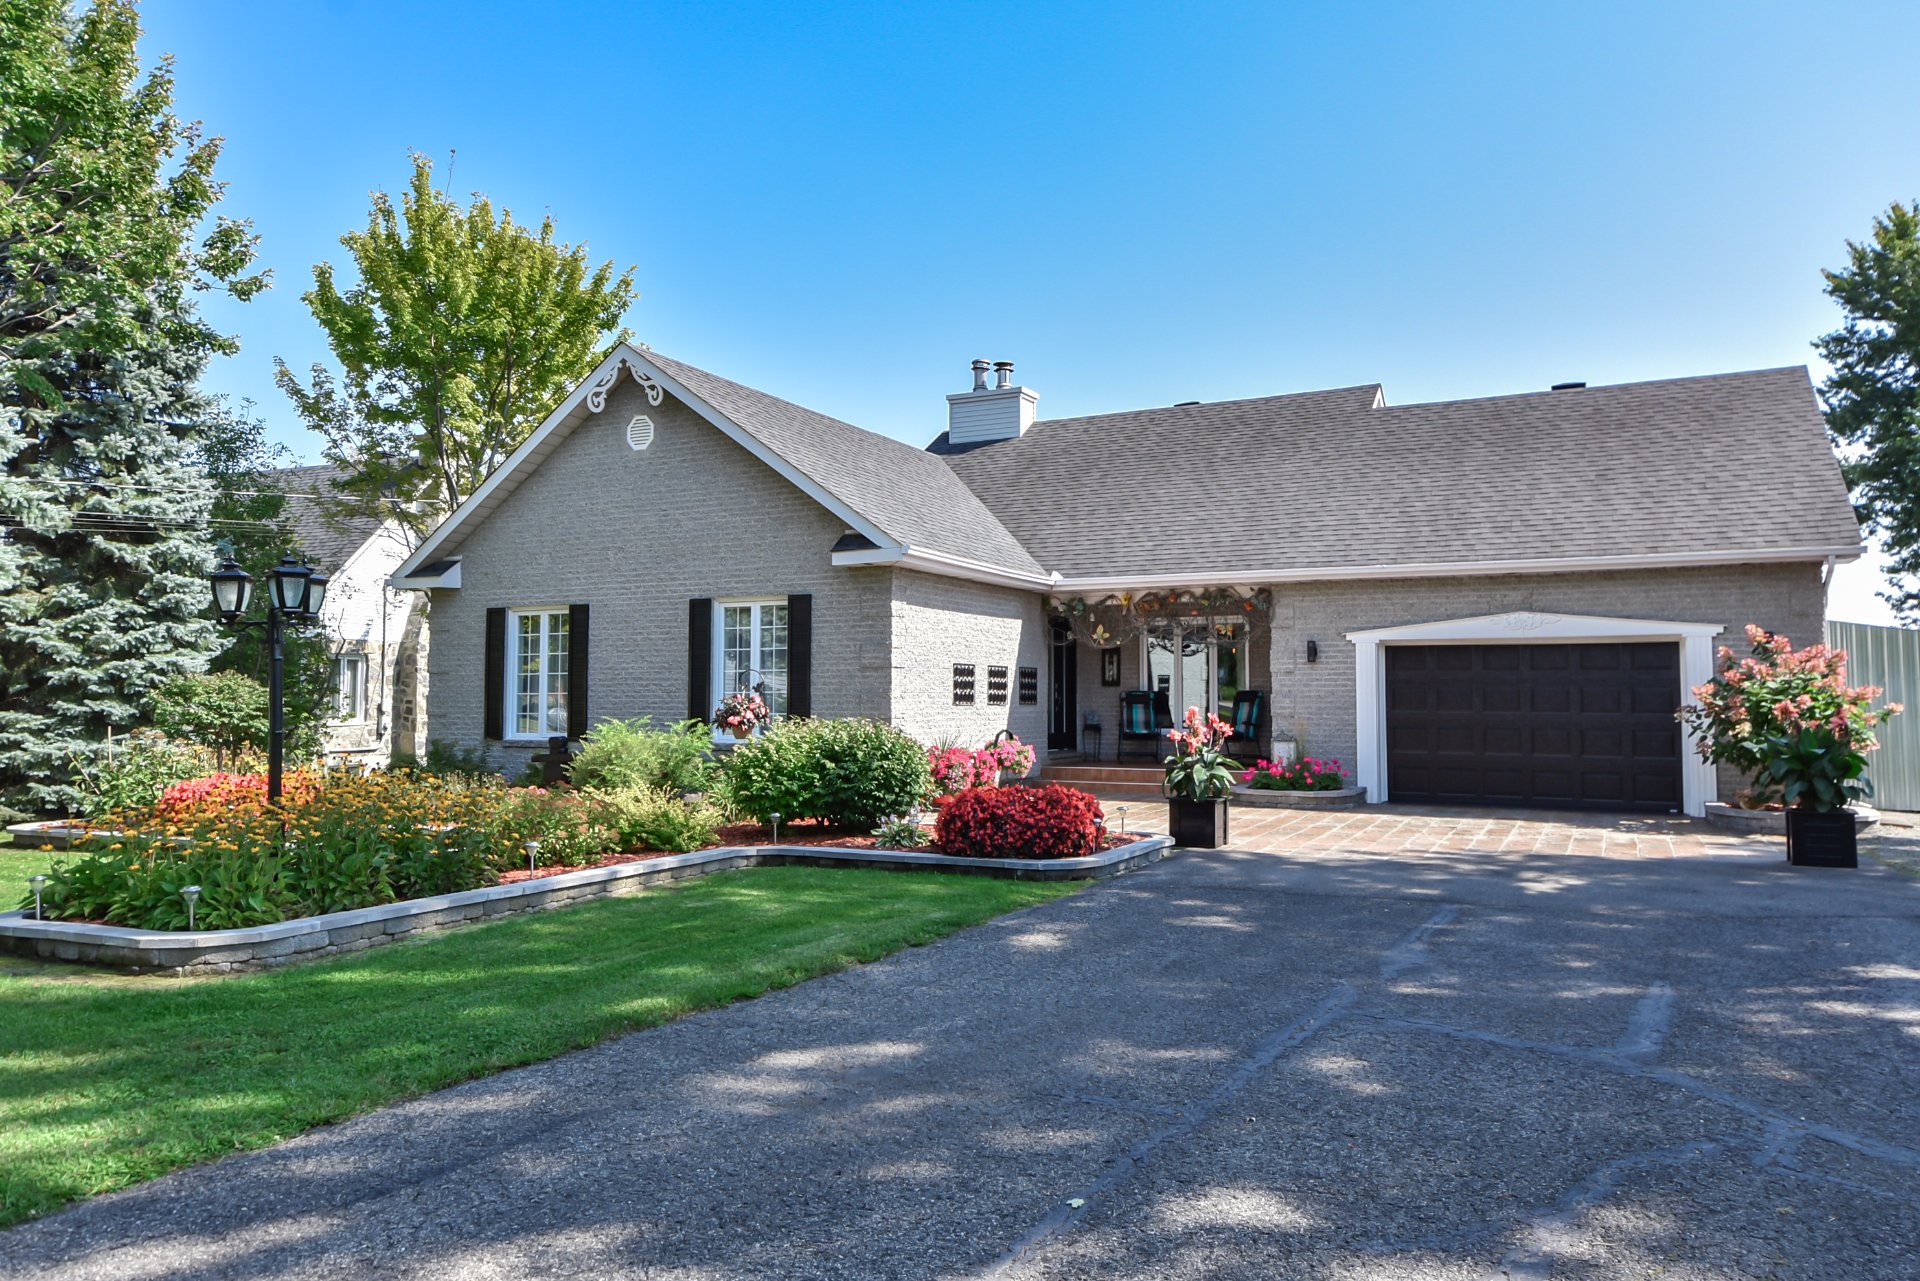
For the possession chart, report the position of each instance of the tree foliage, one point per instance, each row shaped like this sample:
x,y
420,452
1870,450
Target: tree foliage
x,y
462,331
107,229
253,519
1873,394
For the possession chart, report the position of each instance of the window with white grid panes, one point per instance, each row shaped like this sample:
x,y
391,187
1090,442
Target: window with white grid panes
x,y
537,664
753,651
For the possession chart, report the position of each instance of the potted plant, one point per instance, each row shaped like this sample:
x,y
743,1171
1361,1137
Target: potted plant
x,y
742,713
1788,720
1198,781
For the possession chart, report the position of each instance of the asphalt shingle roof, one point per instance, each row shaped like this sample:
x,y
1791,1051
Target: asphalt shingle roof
x,y
910,494
1728,463
325,532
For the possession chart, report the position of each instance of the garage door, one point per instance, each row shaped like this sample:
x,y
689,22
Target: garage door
x,y
1563,726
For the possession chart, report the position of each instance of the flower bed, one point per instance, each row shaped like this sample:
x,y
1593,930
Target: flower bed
x,y
343,842
1308,774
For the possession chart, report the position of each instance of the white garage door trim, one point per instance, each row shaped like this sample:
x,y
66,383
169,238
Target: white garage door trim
x,y
1697,782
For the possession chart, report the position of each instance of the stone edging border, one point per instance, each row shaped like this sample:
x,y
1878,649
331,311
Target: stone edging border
x,y
311,937
1270,798
1731,818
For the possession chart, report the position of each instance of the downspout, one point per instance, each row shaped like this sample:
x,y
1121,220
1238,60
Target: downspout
x,y
1826,572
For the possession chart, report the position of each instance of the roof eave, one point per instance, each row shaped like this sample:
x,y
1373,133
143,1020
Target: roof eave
x,y
1456,569
932,562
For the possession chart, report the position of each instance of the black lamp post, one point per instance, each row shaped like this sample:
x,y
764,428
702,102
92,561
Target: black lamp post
x,y
295,592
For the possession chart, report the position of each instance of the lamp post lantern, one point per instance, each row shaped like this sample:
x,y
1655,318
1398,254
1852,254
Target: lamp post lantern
x,y
295,592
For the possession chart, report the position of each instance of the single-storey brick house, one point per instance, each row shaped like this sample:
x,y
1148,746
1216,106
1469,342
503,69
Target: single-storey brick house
x,y
1495,600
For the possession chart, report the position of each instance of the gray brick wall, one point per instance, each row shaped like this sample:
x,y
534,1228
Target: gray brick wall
x,y
938,622
635,535
1315,702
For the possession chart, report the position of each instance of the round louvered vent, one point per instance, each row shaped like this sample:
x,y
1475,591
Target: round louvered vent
x,y
640,431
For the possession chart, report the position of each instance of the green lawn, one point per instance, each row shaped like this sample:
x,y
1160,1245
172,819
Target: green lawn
x,y
105,1081
16,865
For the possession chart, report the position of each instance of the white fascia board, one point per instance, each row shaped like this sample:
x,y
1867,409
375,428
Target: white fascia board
x,y
905,557
1537,625
1460,569
481,498
423,582
760,450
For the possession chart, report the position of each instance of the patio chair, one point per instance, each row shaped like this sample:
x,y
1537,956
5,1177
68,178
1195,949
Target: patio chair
x,y
1247,706
1139,725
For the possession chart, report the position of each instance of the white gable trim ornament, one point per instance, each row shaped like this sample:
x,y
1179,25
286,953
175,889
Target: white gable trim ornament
x,y
597,389
1698,783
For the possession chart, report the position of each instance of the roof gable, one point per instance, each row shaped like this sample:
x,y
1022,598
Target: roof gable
x,y
897,497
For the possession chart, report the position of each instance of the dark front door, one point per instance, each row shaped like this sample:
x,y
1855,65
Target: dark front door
x,y
1555,726
1063,684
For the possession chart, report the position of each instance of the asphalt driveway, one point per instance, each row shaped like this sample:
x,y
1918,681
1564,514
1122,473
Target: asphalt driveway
x,y
1233,1065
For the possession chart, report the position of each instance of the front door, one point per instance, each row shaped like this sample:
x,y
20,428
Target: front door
x,y
1198,669
1063,702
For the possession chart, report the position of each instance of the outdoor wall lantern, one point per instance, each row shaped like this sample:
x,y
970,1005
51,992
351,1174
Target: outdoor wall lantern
x,y
1313,651
295,593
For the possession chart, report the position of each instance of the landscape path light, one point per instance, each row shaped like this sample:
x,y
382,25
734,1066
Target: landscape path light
x,y
533,852
39,883
775,816
191,893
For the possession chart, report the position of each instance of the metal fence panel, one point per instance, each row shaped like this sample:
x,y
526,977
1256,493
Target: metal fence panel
x,y
1890,658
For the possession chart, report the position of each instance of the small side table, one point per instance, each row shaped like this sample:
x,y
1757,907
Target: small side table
x,y
1090,741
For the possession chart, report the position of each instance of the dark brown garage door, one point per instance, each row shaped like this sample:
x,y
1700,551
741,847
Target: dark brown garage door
x,y
1565,726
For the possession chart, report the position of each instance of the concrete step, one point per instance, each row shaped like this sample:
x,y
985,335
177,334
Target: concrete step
x,y
1119,791
1102,774
1119,782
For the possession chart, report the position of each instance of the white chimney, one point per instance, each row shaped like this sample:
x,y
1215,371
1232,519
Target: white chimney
x,y
987,413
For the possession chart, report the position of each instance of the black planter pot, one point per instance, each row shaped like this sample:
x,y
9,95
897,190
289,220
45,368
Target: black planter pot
x,y
1200,825
1822,840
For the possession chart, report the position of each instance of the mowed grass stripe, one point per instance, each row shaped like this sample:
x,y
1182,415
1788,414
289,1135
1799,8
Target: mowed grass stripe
x,y
106,1081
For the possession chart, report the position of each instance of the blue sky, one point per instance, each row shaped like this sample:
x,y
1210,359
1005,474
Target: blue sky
x,y
1140,204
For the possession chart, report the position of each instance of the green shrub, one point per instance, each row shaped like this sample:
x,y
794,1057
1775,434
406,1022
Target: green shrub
x,y
132,771
569,829
222,710
653,818
850,773
444,759
615,755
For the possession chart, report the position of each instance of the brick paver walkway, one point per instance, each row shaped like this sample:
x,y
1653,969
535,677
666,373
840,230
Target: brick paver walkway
x,y
1406,829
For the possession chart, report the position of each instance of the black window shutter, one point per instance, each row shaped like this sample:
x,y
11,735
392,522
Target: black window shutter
x,y
700,658
496,677
800,655
576,671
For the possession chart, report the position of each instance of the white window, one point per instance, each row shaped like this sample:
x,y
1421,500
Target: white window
x,y
350,687
750,651
536,673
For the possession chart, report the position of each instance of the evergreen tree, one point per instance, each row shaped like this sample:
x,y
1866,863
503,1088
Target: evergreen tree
x,y
1873,394
104,196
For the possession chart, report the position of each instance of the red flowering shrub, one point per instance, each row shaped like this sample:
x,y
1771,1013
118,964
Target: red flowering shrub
x,y
1019,822
218,793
